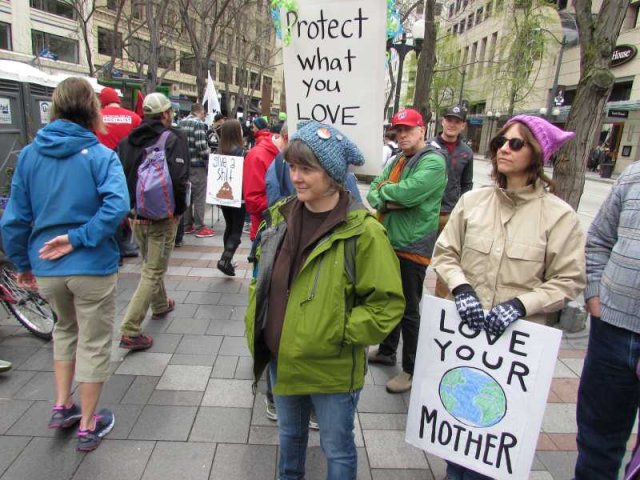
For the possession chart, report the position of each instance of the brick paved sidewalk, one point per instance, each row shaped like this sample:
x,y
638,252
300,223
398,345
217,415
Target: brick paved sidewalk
x,y
184,409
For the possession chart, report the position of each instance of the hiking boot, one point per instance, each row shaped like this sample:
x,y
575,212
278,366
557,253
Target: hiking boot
x,y
400,383
141,342
381,359
313,420
270,410
226,267
64,417
190,230
5,366
205,232
89,440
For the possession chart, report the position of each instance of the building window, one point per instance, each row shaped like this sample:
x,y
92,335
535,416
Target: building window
x,y
455,29
451,10
187,63
479,15
488,10
470,22
461,27
420,8
255,81
226,73
137,10
53,6
621,91
138,50
167,58
458,5
241,77
212,69
108,43
65,49
5,36
114,5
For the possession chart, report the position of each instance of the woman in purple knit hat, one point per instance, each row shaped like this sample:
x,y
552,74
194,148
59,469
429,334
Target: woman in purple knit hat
x,y
513,249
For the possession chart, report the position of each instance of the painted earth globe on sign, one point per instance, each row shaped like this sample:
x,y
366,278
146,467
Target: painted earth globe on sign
x,y
473,397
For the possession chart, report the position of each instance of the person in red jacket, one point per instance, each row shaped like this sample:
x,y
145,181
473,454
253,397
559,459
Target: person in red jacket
x,y
256,164
119,121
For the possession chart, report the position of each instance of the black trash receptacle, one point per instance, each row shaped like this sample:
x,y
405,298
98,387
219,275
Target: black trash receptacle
x,y
606,169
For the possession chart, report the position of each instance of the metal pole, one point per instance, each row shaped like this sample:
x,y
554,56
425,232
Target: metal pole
x,y
464,72
396,101
554,87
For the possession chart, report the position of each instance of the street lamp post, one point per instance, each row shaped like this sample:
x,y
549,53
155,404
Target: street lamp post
x,y
556,76
402,48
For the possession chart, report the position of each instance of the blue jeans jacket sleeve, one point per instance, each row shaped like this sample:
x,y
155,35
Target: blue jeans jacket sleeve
x,y
16,221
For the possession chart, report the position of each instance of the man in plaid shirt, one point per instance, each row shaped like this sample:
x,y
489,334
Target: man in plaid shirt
x,y
196,131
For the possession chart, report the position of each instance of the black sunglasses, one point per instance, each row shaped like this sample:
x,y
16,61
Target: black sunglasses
x,y
515,144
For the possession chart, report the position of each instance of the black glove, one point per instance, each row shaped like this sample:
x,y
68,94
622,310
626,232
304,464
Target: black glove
x,y
503,315
469,307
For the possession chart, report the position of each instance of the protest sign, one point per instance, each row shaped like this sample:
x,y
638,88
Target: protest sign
x,y
224,180
334,69
476,400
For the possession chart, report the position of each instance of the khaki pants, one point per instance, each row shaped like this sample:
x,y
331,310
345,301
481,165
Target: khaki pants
x,y
441,288
156,242
85,306
194,215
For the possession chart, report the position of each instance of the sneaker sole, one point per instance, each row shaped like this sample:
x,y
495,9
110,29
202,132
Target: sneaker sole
x,y
205,236
135,347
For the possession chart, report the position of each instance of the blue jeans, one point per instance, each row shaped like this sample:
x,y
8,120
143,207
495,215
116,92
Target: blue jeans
x,y
335,414
607,400
458,472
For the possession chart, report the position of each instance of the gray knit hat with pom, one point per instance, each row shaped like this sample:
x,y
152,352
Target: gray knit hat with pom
x,y
332,148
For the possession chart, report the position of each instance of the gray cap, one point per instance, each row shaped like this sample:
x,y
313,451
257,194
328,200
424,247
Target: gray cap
x,y
457,111
155,103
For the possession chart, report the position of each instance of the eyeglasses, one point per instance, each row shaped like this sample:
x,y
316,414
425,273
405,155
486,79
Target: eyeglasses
x,y
515,144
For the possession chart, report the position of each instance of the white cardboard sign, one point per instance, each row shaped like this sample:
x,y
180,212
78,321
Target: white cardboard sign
x,y
224,180
334,70
478,401
5,110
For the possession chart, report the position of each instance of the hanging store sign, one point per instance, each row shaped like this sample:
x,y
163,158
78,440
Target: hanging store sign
x,y
618,113
622,54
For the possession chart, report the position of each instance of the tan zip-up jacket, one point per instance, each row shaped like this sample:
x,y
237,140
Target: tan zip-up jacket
x,y
526,244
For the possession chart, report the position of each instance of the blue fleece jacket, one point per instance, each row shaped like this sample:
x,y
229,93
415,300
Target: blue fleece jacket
x,y
66,182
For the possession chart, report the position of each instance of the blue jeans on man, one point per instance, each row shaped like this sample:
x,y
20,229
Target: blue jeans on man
x,y
335,414
608,399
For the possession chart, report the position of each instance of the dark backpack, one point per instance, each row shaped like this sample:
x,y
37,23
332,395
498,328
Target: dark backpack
x,y
154,188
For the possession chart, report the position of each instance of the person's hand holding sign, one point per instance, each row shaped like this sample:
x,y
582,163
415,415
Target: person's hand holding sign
x,y
469,307
503,315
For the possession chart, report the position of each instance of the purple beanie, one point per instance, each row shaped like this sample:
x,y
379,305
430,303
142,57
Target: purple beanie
x,y
548,135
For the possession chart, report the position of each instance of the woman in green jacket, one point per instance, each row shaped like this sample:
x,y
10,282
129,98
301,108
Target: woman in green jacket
x,y
326,285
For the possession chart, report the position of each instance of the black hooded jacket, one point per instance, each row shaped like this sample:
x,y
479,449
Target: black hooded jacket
x,y
131,149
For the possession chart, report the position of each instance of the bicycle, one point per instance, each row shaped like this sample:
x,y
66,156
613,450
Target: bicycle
x,y
27,306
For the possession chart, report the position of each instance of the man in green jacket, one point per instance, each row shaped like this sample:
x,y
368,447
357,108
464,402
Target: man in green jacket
x,y
407,197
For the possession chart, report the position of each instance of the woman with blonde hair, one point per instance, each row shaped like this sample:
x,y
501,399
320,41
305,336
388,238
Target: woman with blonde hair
x,y
68,196
514,248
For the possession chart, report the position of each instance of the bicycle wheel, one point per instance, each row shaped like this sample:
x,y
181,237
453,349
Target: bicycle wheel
x,y
29,308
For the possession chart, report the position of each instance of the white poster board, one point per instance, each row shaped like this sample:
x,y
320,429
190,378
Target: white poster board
x,y
5,110
478,401
334,70
224,180
44,111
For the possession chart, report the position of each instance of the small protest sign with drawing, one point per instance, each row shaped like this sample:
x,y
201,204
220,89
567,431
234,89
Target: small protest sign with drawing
x,y
478,400
224,180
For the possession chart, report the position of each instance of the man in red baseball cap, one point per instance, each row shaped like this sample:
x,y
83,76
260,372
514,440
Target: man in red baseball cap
x,y
119,121
407,197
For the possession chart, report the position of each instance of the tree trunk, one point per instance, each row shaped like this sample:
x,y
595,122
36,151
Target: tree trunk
x,y
598,36
426,62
